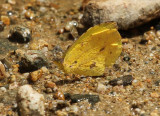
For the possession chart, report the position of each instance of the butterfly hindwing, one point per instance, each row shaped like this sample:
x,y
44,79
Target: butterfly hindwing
x,y
99,47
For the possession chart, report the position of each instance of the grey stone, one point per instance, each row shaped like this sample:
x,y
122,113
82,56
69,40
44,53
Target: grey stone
x,y
32,60
80,97
127,13
124,80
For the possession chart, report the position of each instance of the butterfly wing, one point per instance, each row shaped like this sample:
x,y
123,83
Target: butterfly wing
x,y
99,47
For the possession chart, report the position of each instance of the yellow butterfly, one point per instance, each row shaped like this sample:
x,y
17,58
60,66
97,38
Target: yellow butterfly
x,y
99,47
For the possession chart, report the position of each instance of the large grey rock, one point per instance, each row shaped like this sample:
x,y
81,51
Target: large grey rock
x,y
127,13
30,102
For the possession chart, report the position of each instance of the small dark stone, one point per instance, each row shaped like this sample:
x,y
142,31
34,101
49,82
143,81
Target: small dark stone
x,y
79,97
20,34
143,41
1,26
61,105
134,106
31,61
154,48
125,80
157,83
126,58
117,67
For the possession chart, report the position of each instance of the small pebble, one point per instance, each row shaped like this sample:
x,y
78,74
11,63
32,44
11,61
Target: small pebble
x,y
3,89
138,110
42,9
59,95
60,31
70,25
12,78
126,58
34,76
101,88
50,84
149,42
45,70
49,90
20,34
15,67
5,20
29,14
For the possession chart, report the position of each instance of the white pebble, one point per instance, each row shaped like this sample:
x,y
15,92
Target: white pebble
x,y
135,81
43,9
44,49
100,87
30,102
3,89
70,25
